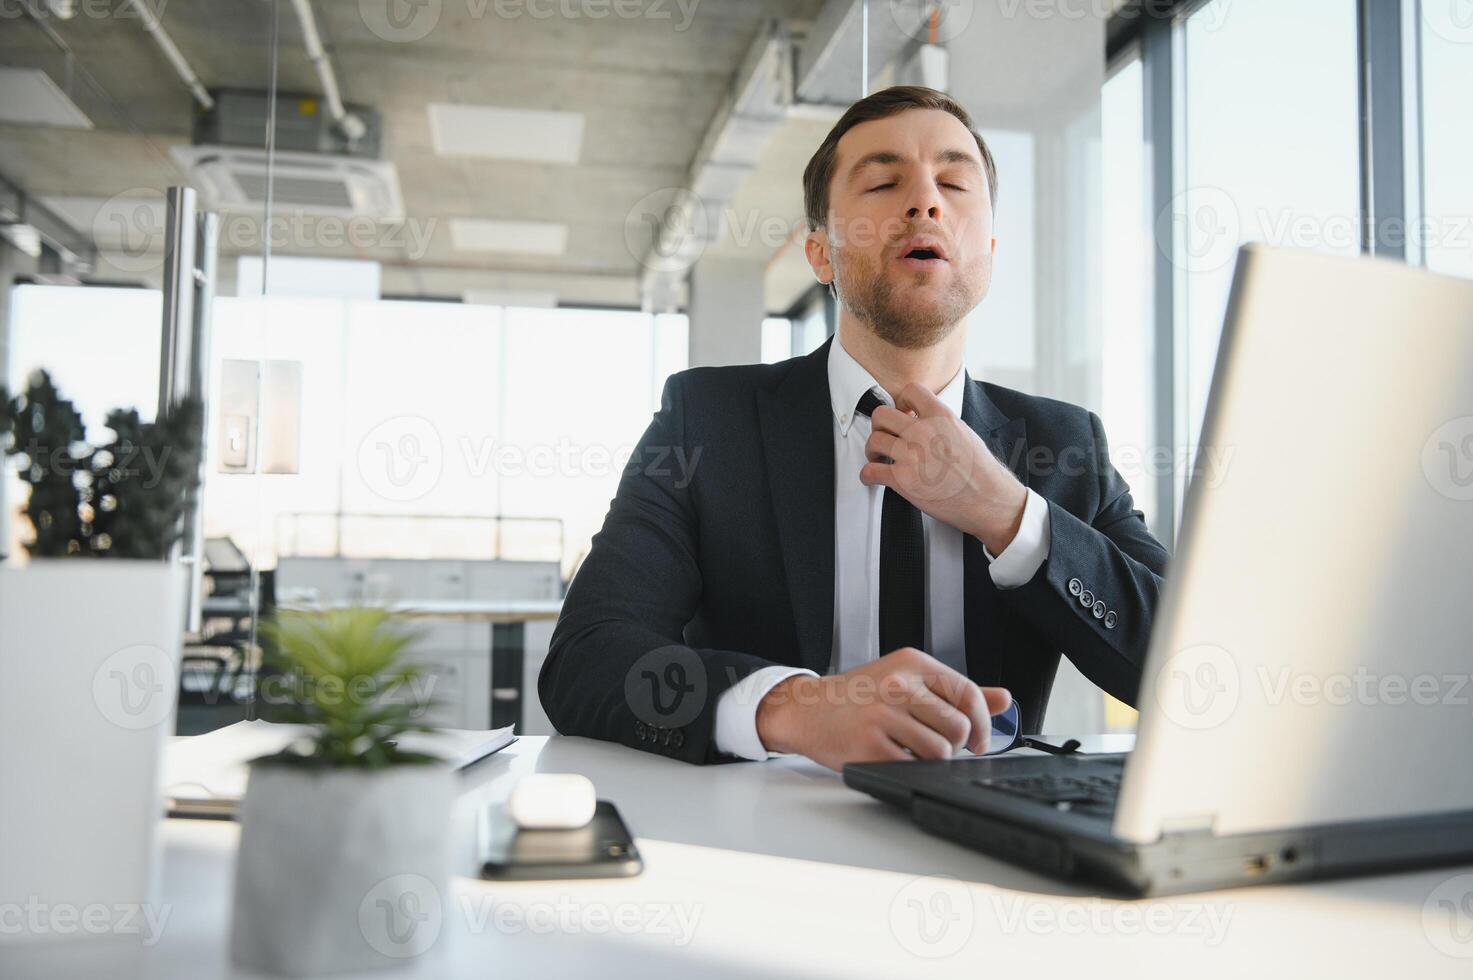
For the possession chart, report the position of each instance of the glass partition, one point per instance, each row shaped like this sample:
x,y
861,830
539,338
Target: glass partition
x,y
110,111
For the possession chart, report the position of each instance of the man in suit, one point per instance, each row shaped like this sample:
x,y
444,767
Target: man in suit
x,y
863,553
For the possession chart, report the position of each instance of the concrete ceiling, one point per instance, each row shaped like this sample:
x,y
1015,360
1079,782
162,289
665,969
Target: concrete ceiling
x,y
646,86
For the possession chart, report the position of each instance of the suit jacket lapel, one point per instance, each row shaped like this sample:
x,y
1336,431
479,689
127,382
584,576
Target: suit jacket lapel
x,y
986,616
797,435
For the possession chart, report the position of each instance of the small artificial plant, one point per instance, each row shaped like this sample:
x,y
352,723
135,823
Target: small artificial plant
x,y
345,678
122,499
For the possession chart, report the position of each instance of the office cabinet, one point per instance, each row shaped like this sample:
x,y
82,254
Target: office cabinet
x,y
456,653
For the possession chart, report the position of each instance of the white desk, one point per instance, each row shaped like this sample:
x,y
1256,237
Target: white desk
x,y
780,870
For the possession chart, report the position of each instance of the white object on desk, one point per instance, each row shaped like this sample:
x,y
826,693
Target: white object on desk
x,y
552,801
205,775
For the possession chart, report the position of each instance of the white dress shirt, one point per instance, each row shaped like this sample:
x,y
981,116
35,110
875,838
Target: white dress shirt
x,y
857,562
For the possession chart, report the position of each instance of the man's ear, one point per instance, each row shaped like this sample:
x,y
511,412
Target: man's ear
x,y
816,250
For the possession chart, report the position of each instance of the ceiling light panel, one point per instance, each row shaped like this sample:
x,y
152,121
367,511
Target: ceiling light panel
x,y
497,133
521,237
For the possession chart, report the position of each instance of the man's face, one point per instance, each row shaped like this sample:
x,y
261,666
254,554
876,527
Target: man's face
x,y
908,241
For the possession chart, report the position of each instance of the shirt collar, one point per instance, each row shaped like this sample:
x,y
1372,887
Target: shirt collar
x,y
848,380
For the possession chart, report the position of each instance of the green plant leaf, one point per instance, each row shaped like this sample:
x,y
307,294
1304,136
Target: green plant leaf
x,y
346,678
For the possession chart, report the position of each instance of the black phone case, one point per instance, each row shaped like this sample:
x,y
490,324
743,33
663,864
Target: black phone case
x,y
603,848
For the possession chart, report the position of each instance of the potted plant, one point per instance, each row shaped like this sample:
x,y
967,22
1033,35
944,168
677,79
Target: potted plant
x,y
343,860
90,634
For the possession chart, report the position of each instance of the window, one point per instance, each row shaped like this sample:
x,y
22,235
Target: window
x,y
811,325
777,339
1126,383
1268,143
101,348
1445,38
578,390
414,416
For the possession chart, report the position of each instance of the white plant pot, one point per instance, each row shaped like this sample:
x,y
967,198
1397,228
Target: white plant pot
x,y
341,869
89,667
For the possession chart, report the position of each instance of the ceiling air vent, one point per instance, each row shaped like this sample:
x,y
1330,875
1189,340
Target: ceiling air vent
x,y
317,184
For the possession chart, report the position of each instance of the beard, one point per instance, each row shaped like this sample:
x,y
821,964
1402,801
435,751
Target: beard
x,y
901,322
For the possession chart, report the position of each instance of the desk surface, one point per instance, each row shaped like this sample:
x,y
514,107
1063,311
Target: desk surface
x,y
777,869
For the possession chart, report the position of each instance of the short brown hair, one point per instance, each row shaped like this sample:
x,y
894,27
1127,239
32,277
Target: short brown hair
x,y
881,105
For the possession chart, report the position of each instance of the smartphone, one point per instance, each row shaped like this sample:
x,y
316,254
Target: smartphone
x,y
601,849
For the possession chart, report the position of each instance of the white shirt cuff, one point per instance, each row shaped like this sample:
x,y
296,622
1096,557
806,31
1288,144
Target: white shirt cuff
x,y
1028,549
736,712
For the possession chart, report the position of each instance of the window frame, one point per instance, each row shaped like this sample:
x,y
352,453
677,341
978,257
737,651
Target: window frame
x,y
1388,99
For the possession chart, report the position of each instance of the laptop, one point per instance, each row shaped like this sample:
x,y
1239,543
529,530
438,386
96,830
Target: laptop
x,y
1305,704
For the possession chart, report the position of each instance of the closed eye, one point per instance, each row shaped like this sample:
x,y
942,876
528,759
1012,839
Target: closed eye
x,y
955,187
883,187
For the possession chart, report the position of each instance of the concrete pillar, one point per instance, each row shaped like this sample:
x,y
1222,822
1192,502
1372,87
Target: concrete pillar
x,y
727,304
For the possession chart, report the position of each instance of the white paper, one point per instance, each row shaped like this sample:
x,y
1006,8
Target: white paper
x,y
213,767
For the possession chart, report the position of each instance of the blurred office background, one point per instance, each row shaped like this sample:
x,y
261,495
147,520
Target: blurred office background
x,y
459,246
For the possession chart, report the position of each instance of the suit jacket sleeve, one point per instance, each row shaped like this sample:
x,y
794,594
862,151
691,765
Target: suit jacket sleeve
x,y
618,668
1106,555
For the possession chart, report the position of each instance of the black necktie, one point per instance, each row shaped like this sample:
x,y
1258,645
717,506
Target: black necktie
x,y
902,565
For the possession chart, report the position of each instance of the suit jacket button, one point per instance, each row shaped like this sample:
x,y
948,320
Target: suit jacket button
x,y
1086,598
1110,620
1099,609
1075,586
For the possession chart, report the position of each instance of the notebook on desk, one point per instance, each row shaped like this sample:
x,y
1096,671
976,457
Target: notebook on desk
x,y
205,775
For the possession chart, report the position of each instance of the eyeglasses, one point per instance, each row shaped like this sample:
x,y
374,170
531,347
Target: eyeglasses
x,y
1006,737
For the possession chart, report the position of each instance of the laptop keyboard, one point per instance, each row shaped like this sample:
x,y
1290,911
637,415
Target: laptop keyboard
x,y
1092,791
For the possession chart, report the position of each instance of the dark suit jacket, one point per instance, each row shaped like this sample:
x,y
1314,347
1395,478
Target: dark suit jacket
x,y
717,558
